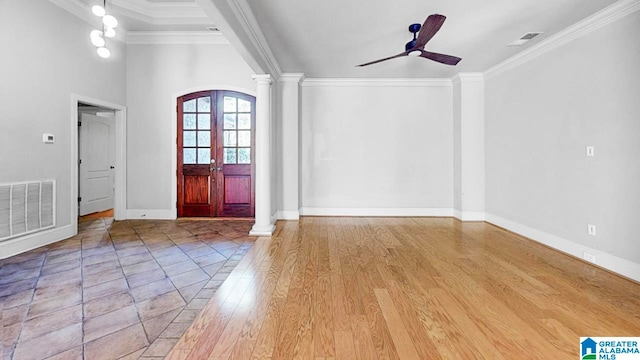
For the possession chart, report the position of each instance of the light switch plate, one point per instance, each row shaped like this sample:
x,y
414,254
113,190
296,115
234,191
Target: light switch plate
x,y
591,150
48,138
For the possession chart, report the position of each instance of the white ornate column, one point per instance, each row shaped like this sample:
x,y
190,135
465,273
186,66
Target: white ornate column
x,y
263,225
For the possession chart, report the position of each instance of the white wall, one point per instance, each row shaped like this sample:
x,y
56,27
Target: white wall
x,y
46,57
156,76
539,118
378,145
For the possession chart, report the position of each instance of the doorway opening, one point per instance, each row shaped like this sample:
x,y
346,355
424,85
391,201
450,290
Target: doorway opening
x,y
215,154
98,158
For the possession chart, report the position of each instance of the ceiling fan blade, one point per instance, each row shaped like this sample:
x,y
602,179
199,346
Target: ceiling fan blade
x,y
385,59
432,24
441,58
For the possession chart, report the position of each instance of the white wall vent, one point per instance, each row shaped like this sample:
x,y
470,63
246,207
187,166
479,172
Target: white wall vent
x,y
524,39
27,207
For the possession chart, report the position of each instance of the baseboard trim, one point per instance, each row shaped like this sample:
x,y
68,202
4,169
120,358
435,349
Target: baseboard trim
x,y
25,243
469,215
151,214
604,260
382,212
288,215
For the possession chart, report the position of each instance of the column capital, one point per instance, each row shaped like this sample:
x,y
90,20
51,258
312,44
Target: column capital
x,y
468,77
292,78
262,79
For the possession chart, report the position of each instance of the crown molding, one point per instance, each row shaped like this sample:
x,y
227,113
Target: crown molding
x,y
244,14
162,13
604,17
175,37
375,82
77,8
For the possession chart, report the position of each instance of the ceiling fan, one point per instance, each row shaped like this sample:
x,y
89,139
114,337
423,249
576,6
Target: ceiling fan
x,y
430,27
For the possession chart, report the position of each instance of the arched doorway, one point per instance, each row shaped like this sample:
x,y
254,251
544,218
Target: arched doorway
x,y
215,154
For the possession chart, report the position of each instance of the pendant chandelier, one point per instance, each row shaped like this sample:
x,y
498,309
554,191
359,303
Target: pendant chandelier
x,y
109,24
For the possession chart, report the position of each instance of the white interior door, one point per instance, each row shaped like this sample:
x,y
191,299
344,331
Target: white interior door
x,y
96,150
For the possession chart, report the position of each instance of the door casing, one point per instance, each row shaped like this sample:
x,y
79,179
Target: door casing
x,y
120,171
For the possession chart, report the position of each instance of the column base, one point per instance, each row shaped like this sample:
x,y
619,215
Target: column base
x,y
262,230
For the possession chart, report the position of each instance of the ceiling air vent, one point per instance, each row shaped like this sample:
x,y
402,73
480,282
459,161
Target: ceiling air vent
x,y
524,39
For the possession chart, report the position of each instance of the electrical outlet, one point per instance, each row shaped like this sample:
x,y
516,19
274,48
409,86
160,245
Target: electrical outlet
x,y
591,150
591,229
589,257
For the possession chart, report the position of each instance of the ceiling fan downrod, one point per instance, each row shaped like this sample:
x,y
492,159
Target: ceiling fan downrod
x,y
414,28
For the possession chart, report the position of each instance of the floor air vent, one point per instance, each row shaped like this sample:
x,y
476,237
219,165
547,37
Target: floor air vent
x,y
26,207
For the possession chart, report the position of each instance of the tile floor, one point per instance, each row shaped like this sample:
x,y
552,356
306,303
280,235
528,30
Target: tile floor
x,y
117,290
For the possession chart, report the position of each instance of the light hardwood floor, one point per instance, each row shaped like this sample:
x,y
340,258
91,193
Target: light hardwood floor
x,y
407,288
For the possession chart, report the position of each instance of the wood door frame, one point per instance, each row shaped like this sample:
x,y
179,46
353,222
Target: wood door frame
x,y
120,171
174,135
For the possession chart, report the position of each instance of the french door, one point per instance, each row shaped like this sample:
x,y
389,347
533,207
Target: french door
x,y
216,142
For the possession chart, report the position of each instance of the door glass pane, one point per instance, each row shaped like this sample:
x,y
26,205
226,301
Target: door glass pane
x,y
204,155
229,155
230,138
189,156
189,106
189,121
204,121
229,104
244,121
189,138
244,138
244,105
204,138
244,156
204,104
229,121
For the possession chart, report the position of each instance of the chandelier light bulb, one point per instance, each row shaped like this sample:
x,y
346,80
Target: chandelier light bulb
x,y
98,10
103,52
109,32
96,38
110,21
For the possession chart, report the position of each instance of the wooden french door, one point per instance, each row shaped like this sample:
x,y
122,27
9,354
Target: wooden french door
x,y
216,142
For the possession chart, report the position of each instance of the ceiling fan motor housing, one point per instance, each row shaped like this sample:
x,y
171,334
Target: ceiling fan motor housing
x,y
410,45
